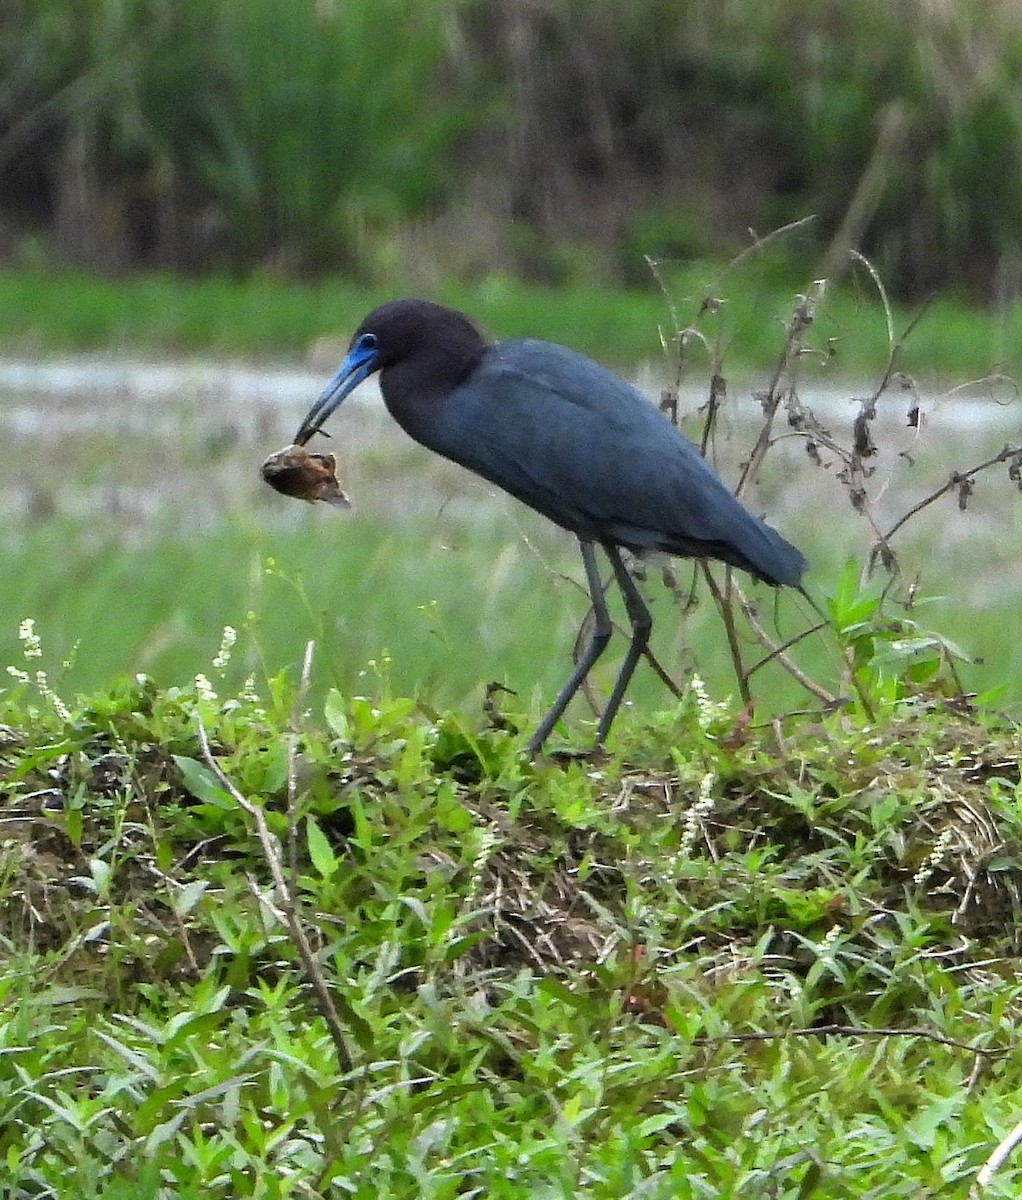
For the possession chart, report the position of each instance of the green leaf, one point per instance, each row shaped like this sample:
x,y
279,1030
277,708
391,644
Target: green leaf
x,y
202,783
187,898
130,1056
335,710
320,850
69,995
922,1128
461,945
657,1123
275,773
73,826
166,1131
554,987
100,871
417,907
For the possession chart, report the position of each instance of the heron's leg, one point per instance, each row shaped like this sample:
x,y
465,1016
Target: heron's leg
x,y
594,648
641,622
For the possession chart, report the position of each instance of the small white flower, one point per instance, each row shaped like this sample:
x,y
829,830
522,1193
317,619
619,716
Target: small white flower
x,y
20,675
47,693
203,688
934,858
31,643
707,710
697,814
223,655
250,696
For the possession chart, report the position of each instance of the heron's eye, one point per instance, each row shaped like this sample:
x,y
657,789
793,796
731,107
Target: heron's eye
x,y
367,341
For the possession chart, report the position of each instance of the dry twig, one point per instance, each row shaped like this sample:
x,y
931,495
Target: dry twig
x,y
997,1157
852,1031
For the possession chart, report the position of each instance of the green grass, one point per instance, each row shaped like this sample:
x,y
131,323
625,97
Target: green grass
x,y
362,591
262,317
440,608
543,972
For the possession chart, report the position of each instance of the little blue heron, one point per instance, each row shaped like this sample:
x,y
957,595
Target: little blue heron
x,y
569,439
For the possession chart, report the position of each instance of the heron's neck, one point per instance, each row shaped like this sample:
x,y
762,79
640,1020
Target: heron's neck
x,y
416,385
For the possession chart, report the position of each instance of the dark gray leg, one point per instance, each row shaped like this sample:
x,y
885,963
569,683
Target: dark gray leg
x,y
595,647
641,622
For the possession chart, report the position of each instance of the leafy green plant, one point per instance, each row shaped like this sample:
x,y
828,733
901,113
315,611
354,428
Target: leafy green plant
x,y
890,659
677,963
323,136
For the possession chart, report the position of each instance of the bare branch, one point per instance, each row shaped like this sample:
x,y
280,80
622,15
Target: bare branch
x,y
956,480
802,317
292,773
853,1031
761,241
778,652
998,1155
727,615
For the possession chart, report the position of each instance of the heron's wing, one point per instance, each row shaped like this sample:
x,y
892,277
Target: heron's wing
x,y
586,449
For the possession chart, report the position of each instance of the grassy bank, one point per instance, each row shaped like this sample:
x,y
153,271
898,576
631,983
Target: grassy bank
x,y
701,966
261,317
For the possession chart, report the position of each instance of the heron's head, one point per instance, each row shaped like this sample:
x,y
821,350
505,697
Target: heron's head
x,y
362,359
434,338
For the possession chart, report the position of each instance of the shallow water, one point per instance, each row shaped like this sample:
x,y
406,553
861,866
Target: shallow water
x,y
136,442
139,444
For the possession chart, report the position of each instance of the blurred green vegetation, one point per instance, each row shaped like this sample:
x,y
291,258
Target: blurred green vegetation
x,y
437,608
389,139
202,133
264,318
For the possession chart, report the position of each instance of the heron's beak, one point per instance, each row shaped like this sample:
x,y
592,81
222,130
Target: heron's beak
x,y
359,364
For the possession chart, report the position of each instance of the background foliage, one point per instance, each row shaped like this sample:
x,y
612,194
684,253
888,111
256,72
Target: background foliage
x,y
561,140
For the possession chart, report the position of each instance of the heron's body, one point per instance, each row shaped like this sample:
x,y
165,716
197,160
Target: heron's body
x,y
588,451
566,437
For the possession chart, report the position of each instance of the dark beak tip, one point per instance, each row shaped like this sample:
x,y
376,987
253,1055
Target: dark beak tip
x,y
304,436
